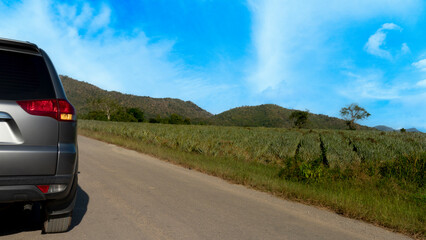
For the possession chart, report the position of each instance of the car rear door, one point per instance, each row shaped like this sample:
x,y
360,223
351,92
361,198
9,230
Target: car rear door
x,y
28,136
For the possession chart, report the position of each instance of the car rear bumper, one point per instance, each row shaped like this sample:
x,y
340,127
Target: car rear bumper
x,y
22,189
20,193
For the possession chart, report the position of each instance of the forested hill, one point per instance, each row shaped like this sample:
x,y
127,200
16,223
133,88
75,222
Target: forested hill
x,y
81,93
270,115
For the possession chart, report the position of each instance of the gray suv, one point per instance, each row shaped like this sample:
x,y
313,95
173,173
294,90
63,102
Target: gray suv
x,y
38,141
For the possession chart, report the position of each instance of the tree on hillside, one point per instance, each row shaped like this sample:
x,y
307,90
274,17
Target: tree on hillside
x,y
121,114
353,113
300,118
136,113
172,119
155,120
105,105
175,119
187,121
95,115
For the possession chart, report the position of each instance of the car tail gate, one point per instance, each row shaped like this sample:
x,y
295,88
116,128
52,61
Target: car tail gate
x,y
29,113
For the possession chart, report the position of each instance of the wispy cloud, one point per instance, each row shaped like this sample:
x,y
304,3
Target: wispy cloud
x,y
83,45
421,83
297,54
290,36
403,100
378,39
101,20
421,65
405,49
369,85
390,26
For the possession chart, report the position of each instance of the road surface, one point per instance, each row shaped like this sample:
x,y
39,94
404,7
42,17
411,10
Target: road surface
x,y
127,195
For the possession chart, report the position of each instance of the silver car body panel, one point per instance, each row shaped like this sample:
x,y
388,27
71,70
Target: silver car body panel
x,y
34,150
31,145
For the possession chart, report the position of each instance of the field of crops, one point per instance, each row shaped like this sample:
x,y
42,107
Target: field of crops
x,y
307,155
272,145
370,175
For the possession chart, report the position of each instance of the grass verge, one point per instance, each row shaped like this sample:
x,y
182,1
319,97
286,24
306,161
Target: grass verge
x,y
381,203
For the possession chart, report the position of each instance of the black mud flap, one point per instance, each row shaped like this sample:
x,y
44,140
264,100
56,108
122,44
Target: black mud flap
x,y
65,205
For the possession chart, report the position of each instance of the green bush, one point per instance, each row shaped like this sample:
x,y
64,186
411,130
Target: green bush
x,y
95,115
405,168
136,113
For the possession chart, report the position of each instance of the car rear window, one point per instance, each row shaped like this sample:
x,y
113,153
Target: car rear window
x,y
24,77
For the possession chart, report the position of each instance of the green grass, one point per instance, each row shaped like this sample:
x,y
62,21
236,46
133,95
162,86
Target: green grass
x,y
374,176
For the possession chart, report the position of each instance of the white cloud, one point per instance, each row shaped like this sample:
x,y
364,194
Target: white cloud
x,y
377,40
373,45
421,83
82,45
405,49
101,20
420,65
368,85
84,16
390,26
290,35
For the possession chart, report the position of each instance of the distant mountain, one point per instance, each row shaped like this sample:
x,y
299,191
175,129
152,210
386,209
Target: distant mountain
x,y
389,129
79,93
412,130
384,128
270,115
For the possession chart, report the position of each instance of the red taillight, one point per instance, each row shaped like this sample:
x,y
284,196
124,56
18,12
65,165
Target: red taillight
x,y
43,188
49,108
54,188
66,111
41,107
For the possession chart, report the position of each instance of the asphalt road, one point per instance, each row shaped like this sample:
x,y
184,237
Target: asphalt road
x,y
127,195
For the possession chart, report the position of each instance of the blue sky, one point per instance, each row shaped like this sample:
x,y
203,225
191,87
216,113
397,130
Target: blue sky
x,y
221,54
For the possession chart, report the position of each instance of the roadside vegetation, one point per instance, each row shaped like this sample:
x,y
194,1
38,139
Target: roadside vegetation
x,y
370,175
